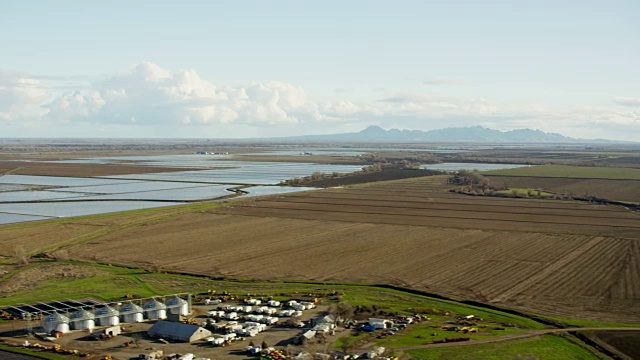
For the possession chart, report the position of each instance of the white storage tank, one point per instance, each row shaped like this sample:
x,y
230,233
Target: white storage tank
x,y
131,313
178,306
107,316
154,310
82,320
56,322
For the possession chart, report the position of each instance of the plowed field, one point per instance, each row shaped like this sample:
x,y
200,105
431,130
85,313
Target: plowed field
x,y
562,258
621,190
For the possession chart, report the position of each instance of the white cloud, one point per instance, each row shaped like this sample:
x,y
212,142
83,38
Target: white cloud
x,y
153,95
442,81
147,94
20,97
627,101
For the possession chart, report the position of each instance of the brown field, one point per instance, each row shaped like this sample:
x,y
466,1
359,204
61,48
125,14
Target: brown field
x,y
558,258
58,169
621,190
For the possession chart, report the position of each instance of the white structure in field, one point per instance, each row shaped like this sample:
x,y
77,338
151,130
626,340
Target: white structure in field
x,y
154,310
82,320
131,313
177,306
380,323
107,316
56,322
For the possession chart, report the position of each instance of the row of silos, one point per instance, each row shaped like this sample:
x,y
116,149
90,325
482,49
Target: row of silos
x,y
109,316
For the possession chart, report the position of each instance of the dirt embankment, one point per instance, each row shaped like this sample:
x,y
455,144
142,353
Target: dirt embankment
x,y
82,170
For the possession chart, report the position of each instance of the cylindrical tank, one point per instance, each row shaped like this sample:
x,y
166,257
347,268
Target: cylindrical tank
x,y
131,313
177,306
56,322
107,316
82,320
154,309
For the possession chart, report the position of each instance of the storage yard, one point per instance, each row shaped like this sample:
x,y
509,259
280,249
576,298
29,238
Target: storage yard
x,y
160,326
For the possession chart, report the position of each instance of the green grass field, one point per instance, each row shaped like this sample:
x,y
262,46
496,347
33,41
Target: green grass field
x,y
538,348
525,192
587,172
33,353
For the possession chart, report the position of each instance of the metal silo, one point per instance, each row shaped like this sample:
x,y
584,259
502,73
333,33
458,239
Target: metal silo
x,y
177,306
82,320
131,313
154,309
56,322
107,316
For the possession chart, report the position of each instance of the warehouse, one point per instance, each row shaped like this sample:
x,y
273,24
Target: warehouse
x,y
175,331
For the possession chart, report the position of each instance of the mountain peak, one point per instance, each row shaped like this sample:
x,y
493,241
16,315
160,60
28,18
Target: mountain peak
x,y
372,129
472,134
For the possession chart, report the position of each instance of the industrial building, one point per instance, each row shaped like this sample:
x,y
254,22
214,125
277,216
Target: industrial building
x,y
174,331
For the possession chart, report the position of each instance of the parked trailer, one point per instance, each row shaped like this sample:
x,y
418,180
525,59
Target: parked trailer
x,y
231,315
216,340
286,313
269,320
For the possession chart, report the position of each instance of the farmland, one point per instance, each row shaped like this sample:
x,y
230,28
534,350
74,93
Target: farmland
x,y
558,258
569,261
620,190
48,279
586,172
544,347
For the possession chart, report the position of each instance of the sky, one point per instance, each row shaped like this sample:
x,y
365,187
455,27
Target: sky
x,y
238,69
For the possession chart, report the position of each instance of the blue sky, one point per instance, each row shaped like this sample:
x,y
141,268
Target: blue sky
x,y
268,68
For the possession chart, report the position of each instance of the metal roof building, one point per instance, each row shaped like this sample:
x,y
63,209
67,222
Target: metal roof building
x,y
178,331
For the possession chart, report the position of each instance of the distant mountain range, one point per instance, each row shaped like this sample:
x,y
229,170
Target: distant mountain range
x,y
474,134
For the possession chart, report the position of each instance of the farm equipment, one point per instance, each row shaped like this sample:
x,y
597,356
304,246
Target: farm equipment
x,y
191,321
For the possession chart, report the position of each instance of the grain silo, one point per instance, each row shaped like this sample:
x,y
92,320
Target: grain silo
x,y
107,316
56,322
154,310
131,313
82,320
177,306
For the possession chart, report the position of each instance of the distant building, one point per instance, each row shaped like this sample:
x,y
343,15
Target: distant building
x,y
380,323
174,331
